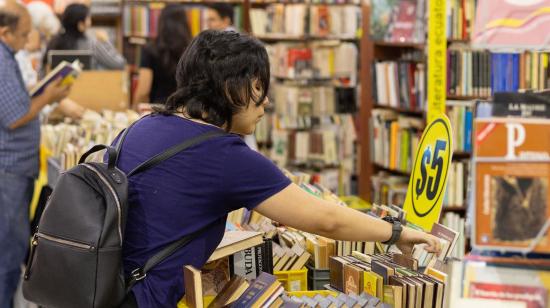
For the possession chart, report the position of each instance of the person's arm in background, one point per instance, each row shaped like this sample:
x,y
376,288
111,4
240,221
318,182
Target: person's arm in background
x,y
71,109
143,89
298,209
105,53
52,93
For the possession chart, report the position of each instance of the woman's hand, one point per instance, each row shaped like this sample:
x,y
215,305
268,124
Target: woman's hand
x,y
410,237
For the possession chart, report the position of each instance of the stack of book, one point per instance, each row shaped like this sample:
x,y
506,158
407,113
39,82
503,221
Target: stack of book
x,y
141,19
289,258
455,196
294,100
399,84
299,20
455,222
389,189
328,142
394,139
398,21
331,61
460,113
469,72
333,300
483,73
460,19
67,142
392,278
507,277
450,240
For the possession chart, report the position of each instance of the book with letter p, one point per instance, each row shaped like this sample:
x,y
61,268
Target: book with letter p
x,y
68,72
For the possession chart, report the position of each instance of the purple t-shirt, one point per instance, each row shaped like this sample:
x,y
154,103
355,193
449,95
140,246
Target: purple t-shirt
x,y
196,187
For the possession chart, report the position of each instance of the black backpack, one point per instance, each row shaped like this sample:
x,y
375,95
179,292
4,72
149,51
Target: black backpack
x,y
76,253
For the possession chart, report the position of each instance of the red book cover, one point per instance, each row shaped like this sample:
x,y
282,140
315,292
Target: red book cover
x,y
534,297
298,60
412,89
403,26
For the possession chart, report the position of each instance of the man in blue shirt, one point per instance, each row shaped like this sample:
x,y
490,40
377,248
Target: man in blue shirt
x,y
19,146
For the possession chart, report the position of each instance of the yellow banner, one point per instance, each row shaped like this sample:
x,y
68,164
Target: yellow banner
x,y
428,180
437,58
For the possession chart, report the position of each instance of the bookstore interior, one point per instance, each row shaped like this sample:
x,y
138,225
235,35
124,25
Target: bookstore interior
x,y
415,112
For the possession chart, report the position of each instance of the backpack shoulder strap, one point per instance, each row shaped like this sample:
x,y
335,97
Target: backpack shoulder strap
x,y
123,135
141,272
155,160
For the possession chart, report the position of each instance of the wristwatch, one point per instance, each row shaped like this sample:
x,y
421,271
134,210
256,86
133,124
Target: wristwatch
x,y
396,230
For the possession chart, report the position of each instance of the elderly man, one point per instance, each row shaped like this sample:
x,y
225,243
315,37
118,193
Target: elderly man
x,y
19,143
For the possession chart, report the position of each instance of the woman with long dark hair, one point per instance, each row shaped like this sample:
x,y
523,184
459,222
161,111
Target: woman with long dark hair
x,y
76,21
159,58
222,84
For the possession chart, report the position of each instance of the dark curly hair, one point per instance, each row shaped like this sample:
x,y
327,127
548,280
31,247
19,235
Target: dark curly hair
x,y
215,77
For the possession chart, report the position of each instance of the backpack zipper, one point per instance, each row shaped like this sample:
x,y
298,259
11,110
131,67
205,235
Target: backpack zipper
x,y
62,241
117,201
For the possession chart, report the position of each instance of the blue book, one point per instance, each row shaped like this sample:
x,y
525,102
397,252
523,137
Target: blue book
x,y
510,72
503,69
468,123
261,289
515,83
494,66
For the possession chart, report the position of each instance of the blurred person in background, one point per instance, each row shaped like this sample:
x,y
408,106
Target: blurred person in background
x,y
159,58
19,146
76,21
44,26
219,16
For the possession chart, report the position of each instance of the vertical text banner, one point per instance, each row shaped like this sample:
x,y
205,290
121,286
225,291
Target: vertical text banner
x,y
437,58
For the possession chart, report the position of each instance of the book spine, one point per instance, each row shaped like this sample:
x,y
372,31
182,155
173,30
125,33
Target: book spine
x,y
468,124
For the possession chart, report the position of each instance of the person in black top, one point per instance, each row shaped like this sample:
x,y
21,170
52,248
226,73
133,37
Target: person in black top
x,y
160,57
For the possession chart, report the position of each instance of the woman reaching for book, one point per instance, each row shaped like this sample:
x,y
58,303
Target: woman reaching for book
x,y
223,80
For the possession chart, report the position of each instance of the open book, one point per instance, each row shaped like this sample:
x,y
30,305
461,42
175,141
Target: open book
x,y
65,70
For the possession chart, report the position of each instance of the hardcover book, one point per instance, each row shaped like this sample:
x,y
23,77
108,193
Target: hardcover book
x,y
512,172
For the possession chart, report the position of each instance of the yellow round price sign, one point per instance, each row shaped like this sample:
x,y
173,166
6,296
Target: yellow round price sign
x,y
429,175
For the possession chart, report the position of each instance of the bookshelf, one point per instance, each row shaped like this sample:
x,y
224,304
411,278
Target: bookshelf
x,y
106,16
374,51
140,20
313,94
376,177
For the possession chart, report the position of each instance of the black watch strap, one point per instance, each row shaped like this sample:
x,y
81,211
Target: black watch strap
x,y
396,230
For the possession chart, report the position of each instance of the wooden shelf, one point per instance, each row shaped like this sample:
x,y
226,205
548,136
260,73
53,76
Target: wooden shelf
x,y
417,113
283,37
399,45
301,2
467,97
112,16
391,171
455,209
464,41
186,1
461,155
131,36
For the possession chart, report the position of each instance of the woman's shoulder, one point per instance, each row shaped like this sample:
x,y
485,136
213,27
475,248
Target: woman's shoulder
x,y
161,124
